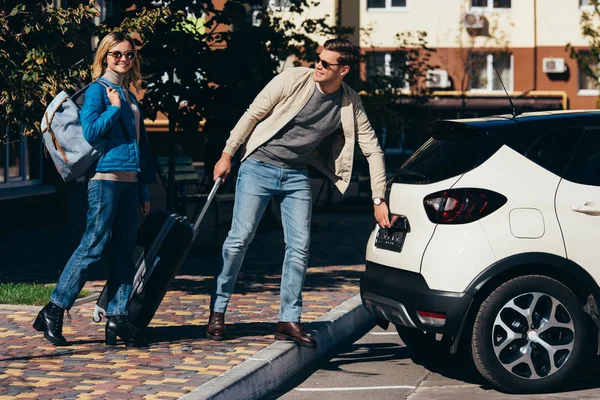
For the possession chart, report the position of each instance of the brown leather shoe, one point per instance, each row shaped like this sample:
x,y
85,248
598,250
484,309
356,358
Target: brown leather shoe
x,y
294,331
216,326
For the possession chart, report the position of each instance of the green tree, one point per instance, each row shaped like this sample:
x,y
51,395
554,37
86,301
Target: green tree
x,y
588,59
205,63
395,90
43,50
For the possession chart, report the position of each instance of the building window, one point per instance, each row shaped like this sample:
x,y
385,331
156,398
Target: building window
x,y
279,4
20,161
391,67
482,76
386,4
588,83
491,4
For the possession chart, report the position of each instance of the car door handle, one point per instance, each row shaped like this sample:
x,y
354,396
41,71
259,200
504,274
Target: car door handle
x,y
589,208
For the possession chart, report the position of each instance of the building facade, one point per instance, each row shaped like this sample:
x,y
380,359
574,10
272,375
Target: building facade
x,y
524,39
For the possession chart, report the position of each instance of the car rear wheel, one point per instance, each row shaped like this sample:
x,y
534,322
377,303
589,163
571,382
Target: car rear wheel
x,y
529,335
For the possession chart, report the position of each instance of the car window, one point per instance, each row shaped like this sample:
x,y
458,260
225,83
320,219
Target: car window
x,y
554,149
585,167
453,150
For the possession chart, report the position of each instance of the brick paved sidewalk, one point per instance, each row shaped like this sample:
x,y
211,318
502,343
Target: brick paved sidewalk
x,y
180,358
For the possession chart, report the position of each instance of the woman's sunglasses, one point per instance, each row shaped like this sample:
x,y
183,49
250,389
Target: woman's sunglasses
x,y
129,55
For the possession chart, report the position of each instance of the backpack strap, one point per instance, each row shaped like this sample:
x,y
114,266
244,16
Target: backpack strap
x,y
121,120
48,117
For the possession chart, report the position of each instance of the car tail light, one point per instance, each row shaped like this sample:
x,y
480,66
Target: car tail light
x,y
432,318
461,206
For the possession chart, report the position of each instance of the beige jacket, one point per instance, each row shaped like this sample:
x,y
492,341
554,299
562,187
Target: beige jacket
x,y
283,98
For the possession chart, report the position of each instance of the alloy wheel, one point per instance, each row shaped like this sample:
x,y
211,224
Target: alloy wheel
x,y
533,335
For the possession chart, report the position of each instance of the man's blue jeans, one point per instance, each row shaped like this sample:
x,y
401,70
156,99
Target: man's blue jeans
x,y
257,183
112,210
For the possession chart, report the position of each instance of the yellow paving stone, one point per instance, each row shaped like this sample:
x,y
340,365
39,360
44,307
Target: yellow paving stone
x,y
170,394
147,371
125,387
151,382
190,368
83,387
15,347
48,367
9,334
13,372
26,396
20,384
43,381
215,358
94,356
208,372
174,380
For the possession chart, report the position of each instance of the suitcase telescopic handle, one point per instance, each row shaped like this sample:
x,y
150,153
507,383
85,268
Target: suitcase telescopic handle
x,y
209,199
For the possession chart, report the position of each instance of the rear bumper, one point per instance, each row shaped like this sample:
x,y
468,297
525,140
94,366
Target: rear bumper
x,y
395,295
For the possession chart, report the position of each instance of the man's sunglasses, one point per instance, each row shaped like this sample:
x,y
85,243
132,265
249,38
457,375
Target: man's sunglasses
x,y
324,63
129,55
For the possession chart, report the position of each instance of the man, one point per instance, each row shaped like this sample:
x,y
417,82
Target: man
x,y
286,123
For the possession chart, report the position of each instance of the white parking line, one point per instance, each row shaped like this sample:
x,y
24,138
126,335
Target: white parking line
x,y
383,333
339,389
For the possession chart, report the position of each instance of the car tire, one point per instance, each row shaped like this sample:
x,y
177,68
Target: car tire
x,y
530,335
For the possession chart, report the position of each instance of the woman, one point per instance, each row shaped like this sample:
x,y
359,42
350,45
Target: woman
x,y
111,116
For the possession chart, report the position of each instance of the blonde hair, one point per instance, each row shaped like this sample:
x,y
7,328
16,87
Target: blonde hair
x,y
133,76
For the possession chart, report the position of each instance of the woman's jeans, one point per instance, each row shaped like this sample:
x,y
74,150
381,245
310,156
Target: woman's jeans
x,y
257,183
112,211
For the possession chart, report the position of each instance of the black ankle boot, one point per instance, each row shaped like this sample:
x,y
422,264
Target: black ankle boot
x,y
50,321
120,326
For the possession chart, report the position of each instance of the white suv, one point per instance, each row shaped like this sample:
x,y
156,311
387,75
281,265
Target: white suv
x,y
497,246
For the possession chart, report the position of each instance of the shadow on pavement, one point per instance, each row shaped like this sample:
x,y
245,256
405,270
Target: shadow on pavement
x,y
192,332
256,282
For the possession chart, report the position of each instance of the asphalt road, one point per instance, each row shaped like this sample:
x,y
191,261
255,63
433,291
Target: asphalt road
x,y
379,367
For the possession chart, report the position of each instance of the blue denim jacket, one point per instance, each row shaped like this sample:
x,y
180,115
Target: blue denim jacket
x,y
115,127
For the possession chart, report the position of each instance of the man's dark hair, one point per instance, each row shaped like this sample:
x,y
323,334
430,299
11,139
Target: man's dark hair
x,y
349,53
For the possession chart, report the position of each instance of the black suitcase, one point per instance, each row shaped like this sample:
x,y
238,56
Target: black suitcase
x,y
166,239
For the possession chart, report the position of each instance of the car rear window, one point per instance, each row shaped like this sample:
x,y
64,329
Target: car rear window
x,y
453,149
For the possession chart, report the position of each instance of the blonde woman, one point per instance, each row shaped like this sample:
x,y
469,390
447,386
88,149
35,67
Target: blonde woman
x,y
111,116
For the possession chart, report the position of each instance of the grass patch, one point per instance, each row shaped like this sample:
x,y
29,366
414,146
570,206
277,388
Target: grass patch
x,y
29,293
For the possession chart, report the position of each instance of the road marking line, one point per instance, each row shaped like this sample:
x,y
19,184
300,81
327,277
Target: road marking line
x,y
383,333
339,389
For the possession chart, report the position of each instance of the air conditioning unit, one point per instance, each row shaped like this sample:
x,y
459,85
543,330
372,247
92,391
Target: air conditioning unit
x,y
472,20
437,79
554,65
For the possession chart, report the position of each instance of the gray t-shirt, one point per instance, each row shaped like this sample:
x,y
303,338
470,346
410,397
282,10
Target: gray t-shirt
x,y
292,145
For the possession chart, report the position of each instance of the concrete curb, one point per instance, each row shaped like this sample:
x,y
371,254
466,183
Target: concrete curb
x,y
270,367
